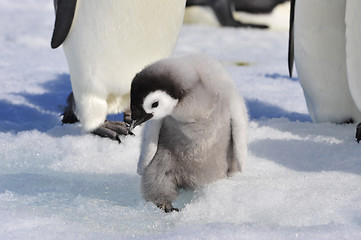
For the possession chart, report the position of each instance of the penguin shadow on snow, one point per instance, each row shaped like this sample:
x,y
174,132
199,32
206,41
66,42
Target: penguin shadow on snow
x,y
46,113
54,98
17,118
259,110
321,147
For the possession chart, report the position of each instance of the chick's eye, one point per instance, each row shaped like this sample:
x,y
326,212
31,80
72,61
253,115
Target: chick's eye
x,y
155,104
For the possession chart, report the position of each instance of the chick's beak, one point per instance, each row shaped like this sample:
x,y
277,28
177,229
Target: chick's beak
x,y
138,121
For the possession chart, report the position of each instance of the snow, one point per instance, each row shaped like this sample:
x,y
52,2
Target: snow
x,y
302,180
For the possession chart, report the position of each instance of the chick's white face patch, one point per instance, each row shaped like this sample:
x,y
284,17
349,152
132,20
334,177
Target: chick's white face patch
x,y
159,103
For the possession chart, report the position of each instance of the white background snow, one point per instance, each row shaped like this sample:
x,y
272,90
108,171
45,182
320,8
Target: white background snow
x,y
302,181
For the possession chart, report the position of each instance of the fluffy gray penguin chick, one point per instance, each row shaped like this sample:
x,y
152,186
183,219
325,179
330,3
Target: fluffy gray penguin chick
x,y
197,128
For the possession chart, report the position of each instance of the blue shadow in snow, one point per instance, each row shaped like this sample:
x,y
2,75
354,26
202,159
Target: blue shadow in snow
x,y
49,106
260,110
280,76
54,99
16,118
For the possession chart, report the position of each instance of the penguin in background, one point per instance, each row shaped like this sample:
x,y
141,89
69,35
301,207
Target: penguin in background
x,y
196,126
106,42
324,41
223,9
257,6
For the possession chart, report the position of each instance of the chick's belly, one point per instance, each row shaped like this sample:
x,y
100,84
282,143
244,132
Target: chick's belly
x,y
197,170
196,162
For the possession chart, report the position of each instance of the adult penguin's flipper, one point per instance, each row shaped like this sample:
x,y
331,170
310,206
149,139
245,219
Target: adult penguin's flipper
x,y
291,38
358,133
64,11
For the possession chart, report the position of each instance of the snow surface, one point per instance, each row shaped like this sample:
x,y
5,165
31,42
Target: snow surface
x,y
302,180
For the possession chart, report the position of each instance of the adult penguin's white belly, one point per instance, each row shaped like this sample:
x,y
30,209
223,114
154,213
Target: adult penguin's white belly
x,y
353,49
109,42
324,69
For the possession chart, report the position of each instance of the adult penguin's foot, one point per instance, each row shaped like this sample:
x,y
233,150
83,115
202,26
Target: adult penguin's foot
x,y
112,130
109,129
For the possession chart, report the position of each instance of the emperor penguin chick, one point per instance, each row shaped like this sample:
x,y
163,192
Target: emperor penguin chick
x,y
197,128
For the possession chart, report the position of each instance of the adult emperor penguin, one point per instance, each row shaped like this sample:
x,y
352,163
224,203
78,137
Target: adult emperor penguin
x,y
197,131
106,42
325,38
